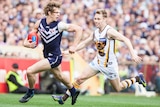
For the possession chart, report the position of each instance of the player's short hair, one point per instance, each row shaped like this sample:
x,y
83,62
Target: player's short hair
x,y
50,7
101,11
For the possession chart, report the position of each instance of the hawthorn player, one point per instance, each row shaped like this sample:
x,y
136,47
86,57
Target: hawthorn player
x,y
105,61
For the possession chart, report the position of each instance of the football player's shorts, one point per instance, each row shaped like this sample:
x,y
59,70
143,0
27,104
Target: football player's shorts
x,y
110,71
54,60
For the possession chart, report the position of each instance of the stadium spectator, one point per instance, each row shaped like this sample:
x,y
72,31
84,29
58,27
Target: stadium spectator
x,y
15,83
50,83
157,82
140,16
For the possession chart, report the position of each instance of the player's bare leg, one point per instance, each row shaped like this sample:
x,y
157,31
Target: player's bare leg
x,y
31,71
118,86
74,93
88,73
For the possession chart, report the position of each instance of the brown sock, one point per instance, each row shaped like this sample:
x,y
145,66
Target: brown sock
x,y
137,79
65,97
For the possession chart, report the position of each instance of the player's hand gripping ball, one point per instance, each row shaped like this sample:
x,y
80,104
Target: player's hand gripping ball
x,y
33,37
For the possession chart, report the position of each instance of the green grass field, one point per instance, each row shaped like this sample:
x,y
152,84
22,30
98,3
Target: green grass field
x,y
111,100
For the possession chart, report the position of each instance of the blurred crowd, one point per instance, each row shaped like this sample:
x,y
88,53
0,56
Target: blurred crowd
x,y
139,20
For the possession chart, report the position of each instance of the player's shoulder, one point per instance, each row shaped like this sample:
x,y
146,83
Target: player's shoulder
x,y
62,26
108,27
61,23
110,30
96,30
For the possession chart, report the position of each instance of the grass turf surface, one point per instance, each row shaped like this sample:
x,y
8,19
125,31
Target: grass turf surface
x,y
111,100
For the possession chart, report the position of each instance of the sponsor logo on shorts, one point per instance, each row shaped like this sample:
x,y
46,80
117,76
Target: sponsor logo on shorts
x,y
110,63
113,76
50,54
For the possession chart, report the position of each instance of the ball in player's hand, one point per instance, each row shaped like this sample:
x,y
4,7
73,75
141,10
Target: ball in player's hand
x,y
33,37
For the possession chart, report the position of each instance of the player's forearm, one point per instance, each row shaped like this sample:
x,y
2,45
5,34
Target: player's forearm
x,y
85,43
129,45
26,43
78,36
81,46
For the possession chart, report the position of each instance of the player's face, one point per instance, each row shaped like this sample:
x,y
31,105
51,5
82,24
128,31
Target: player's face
x,y
55,15
98,20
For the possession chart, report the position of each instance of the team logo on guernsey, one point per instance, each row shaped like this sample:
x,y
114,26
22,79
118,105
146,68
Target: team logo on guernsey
x,y
42,30
100,44
52,30
50,54
49,35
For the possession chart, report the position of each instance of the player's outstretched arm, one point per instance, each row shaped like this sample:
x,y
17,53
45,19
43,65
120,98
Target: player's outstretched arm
x,y
84,43
80,46
77,30
116,35
78,35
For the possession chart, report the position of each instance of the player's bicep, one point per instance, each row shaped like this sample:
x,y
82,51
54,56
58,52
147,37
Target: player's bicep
x,y
68,27
73,28
113,34
36,25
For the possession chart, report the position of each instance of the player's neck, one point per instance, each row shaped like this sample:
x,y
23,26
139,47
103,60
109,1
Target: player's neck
x,y
102,27
49,20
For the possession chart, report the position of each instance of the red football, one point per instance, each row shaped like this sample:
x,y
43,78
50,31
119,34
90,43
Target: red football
x,y
33,36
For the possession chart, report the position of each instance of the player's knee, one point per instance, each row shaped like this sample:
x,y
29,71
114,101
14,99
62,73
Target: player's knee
x,y
117,89
29,72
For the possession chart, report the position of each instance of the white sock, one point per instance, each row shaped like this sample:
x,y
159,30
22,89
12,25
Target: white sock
x,y
68,93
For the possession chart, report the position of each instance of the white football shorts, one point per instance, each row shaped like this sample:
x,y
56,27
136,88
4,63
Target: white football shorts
x,y
111,71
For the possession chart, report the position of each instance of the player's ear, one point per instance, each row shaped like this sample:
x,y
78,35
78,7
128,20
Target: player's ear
x,y
49,12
